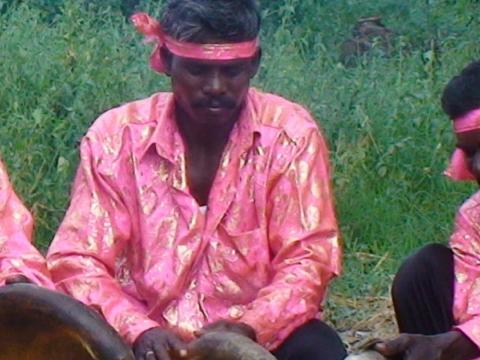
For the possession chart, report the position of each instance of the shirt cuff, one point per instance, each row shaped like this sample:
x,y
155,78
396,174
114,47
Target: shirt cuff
x,y
35,277
137,329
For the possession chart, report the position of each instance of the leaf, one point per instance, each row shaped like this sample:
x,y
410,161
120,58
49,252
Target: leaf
x,y
62,165
382,171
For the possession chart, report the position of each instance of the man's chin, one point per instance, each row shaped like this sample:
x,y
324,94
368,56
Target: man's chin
x,y
214,117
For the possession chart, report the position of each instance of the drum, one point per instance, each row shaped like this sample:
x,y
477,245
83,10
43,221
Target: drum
x,y
39,324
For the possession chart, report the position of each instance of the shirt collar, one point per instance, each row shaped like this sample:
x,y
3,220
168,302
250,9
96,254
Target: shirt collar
x,y
163,135
167,140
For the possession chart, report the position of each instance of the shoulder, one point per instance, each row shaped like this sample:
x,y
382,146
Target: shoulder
x,y
466,230
470,209
289,132
131,113
139,117
286,127
467,218
277,113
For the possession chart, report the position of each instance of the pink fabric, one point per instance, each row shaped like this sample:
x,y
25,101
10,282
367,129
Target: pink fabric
x,y
152,29
468,122
465,243
17,255
136,246
458,169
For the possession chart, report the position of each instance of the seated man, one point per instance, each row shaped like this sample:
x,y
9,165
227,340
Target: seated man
x,y
436,293
208,208
19,260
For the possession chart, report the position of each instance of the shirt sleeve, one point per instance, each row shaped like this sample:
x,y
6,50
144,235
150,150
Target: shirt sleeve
x,y
83,254
465,243
17,254
303,237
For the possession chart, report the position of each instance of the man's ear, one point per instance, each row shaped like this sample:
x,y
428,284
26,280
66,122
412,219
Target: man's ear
x,y
167,58
256,62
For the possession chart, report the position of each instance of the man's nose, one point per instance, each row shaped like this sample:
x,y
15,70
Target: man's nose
x,y
215,84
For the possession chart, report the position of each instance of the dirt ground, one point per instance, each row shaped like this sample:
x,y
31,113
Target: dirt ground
x,y
372,318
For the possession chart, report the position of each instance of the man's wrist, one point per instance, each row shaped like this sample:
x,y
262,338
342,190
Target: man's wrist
x,y
458,345
138,336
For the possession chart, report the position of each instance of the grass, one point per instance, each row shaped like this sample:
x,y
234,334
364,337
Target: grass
x,y
63,63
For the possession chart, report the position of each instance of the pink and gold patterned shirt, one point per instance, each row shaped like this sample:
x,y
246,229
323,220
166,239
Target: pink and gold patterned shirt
x,y
136,246
17,254
465,243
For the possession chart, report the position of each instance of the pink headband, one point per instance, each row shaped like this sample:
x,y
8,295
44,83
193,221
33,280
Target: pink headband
x,y
459,168
153,32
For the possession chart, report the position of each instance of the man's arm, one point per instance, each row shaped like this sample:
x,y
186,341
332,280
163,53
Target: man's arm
x,y
303,236
83,254
465,244
18,257
451,345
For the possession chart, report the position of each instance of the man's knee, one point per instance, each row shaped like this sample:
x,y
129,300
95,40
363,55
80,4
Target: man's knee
x,y
420,267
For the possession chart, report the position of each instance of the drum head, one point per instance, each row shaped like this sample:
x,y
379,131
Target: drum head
x,y
227,346
39,324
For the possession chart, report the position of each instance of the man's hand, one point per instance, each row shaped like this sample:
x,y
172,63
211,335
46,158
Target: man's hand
x,y
452,345
159,344
228,326
17,279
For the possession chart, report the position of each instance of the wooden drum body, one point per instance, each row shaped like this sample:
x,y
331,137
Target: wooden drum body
x,y
39,324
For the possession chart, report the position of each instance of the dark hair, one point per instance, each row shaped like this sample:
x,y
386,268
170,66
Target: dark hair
x,y
226,20
462,93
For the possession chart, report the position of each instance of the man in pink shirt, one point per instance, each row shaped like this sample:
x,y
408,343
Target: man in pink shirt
x,y
20,261
436,293
208,208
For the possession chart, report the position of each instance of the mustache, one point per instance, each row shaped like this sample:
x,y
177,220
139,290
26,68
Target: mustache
x,y
216,102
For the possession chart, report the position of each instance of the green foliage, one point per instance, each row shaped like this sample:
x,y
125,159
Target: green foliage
x,y
389,139
57,78
50,9
63,62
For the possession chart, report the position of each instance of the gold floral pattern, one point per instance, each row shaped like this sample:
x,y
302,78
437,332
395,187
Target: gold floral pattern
x,y
17,254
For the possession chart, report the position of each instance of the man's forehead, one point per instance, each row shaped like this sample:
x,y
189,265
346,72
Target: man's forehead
x,y
202,62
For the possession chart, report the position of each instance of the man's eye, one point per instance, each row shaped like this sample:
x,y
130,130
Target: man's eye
x,y
195,70
234,70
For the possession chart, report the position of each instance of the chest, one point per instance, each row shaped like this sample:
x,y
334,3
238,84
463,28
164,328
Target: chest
x,y
201,168
167,194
